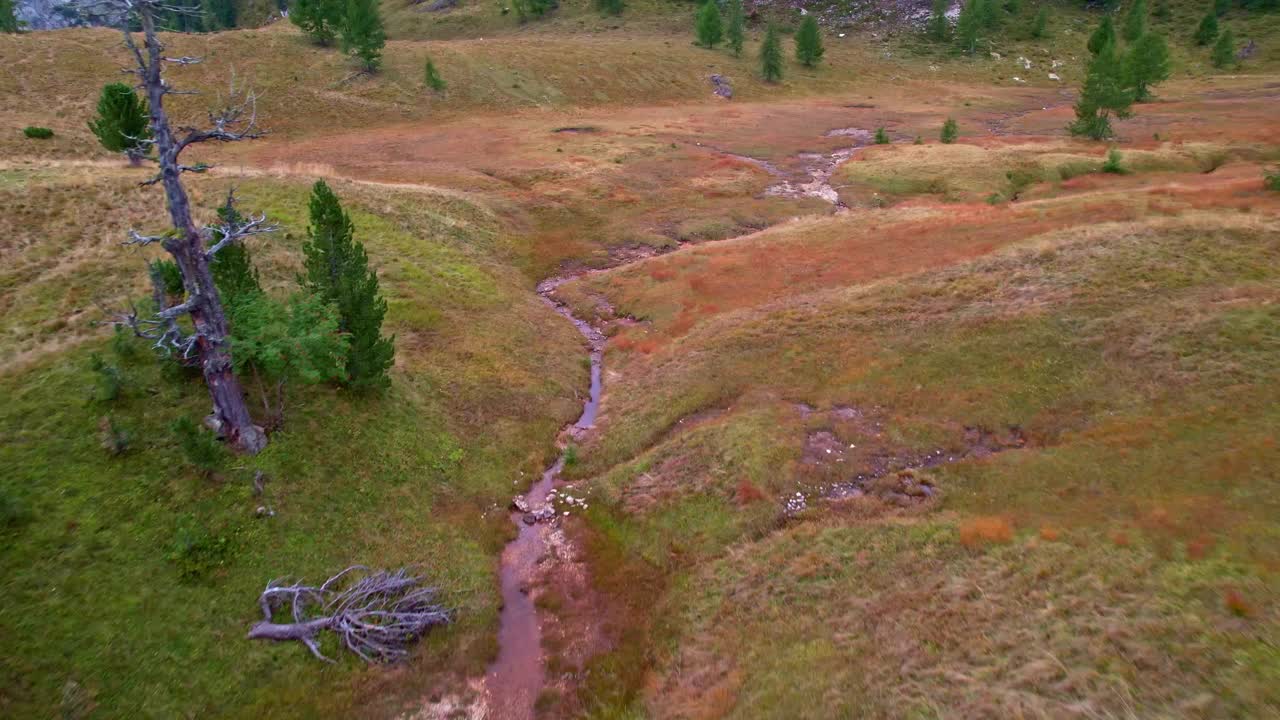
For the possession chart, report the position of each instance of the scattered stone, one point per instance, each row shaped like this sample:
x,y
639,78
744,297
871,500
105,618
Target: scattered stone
x,y
520,504
1054,76
721,87
1248,51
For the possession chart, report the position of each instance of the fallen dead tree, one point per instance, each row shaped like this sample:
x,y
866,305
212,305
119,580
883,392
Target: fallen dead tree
x,y
375,615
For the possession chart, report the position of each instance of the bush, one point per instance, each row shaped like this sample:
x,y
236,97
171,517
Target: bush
x,y
432,77
109,383
13,511
1112,164
882,137
1271,179
198,445
196,552
38,133
950,131
115,439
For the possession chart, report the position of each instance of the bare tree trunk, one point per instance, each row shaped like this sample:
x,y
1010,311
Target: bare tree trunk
x,y
187,245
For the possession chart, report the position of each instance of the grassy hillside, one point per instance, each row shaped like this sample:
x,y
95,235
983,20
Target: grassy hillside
x,y
482,382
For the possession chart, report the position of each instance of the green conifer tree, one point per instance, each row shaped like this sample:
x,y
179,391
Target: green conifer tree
x,y
939,26
1103,36
362,33
1040,26
1224,51
1104,94
968,25
771,56
1208,29
882,137
1135,21
950,131
1013,7
809,50
1220,7
432,77
8,20
123,123
710,27
990,14
319,19
1161,11
337,269
232,267
736,27
1147,64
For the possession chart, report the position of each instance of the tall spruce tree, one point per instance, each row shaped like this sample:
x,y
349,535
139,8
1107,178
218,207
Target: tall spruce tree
x,y
990,14
1104,35
771,56
1135,21
1040,26
337,269
710,27
123,124
8,20
939,26
968,25
809,50
1208,29
1224,51
1147,64
362,33
319,19
219,14
1105,93
735,27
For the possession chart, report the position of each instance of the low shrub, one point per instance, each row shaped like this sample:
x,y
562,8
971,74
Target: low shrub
x,y
197,552
37,133
199,446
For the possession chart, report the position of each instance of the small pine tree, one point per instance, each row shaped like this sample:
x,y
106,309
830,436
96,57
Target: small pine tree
x,y
968,25
1208,29
1147,64
950,131
710,27
1220,7
1112,164
771,56
232,268
1271,179
123,123
939,26
882,137
8,20
736,27
990,14
1103,36
319,19
1224,51
1040,26
199,446
611,7
1104,94
1013,7
1135,21
337,270
1161,11
809,50
362,33
432,77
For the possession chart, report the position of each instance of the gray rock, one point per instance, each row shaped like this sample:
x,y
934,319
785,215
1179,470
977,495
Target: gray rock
x,y
720,86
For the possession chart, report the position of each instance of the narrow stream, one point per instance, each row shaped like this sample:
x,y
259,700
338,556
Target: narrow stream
x,y
516,678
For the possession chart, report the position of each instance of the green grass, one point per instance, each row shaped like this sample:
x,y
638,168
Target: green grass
x,y
1140,359
94,598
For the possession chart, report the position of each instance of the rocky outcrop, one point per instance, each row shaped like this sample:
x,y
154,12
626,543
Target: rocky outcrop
x,y
49,14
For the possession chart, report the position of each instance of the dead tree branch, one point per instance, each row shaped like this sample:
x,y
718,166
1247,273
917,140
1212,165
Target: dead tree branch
x,y
375,615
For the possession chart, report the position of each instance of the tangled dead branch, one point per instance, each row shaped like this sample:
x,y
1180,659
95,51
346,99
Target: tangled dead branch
x,y
375,615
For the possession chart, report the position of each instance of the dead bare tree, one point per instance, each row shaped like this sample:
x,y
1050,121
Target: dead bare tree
x,y
376,617
188,244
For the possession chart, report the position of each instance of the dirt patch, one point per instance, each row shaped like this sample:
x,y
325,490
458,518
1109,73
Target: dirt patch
x,y
854,458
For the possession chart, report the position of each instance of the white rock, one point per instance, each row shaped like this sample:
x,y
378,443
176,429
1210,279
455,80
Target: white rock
x,y
1054,76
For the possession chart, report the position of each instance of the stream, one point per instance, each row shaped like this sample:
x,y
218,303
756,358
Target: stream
x,y
518,675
